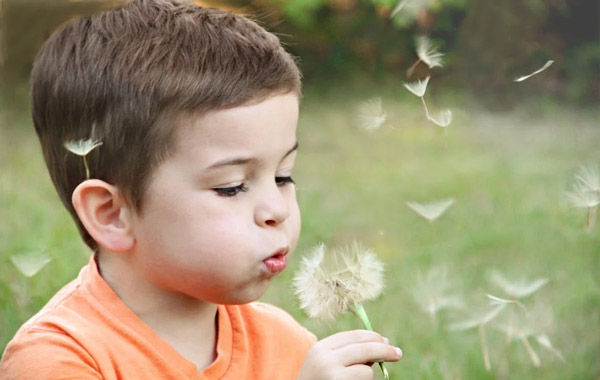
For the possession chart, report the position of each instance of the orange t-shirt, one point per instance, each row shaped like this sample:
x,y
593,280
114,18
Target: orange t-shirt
x,y
86,332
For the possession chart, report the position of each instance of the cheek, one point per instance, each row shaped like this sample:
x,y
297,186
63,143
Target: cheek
x,y
296,223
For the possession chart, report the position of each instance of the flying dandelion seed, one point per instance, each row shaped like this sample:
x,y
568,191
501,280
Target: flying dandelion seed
x,y
427,54
443,119
29,264
500,301
371,115
479,321
401,4
546,65
522,335
431,211
588,177
586,193
333,284
531,325
583,197
433,292
419,88
544,341
82,148
517,288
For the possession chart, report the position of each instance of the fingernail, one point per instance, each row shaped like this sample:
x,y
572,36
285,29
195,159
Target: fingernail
x,y
398,351
386,340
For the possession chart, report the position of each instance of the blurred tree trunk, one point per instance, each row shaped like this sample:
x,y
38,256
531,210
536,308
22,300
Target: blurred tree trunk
x,y
498,41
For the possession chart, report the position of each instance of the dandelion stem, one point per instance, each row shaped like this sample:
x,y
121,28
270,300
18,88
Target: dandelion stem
x,y
87,169
426,109
361,313
484,348
534,358
412,68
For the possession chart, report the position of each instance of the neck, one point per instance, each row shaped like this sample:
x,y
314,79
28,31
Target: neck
x,y
186,323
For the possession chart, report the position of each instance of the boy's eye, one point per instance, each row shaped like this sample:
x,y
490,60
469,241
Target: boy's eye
x,y
281,181
230,191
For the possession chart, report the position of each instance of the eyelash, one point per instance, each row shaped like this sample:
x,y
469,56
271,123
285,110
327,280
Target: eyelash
x,y
234,190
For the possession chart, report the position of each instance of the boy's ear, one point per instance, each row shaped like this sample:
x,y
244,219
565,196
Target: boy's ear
x,y
104,214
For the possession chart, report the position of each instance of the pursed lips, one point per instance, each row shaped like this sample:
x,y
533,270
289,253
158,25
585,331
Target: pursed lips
x,y
277,262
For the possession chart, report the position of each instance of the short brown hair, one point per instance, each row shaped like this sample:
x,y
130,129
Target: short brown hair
x,y
126,75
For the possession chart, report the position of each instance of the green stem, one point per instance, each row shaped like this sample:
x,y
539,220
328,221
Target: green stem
x,y
361,313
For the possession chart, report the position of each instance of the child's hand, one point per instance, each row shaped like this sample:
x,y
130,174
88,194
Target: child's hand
x,y
347,355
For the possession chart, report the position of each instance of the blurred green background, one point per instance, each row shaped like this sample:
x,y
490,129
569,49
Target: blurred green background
x,y
510,156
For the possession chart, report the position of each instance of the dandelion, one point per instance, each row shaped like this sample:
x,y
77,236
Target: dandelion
x,y
432,292
544,341
419,88
371,115
427,54
586,193
589,178
522,334
517,289
546,65
401,4
82,148
533,324
29,264
431,211
479,321
443,119
332,284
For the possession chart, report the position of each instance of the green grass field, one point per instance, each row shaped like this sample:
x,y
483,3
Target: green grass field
x,y
508,173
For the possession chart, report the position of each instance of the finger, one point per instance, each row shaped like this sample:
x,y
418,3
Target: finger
x,y
359,372
361,353
344,338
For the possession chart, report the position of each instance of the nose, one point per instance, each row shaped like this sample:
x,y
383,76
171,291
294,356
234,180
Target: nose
x,y
273,207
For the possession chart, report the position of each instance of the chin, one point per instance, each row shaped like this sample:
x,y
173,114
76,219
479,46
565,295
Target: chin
x,y
249,294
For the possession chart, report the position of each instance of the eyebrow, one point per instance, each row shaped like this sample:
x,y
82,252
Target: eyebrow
x,y
244,160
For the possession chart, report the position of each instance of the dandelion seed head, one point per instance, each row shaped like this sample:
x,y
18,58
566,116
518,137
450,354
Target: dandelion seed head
x,y
516,288
419,87
431,211
371,115
330,283
443,119
428,53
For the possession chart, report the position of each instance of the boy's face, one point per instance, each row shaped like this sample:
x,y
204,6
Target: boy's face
x,y
222,204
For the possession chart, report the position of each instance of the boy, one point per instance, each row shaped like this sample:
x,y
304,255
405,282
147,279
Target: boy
x,y
189,207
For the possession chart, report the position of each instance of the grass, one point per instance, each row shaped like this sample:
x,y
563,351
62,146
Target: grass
x,y
508,173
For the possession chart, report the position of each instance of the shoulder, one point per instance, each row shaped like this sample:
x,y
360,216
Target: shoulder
x,y
46,354
277,321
